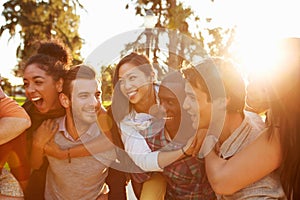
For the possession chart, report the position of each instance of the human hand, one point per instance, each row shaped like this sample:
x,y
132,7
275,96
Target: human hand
x,y
188,148
194,144
52,149
45,132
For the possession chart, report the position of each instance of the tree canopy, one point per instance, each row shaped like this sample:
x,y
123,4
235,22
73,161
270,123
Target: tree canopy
x,y
36,20
174,15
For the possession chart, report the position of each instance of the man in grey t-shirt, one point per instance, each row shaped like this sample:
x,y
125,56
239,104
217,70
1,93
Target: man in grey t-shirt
x,y
82,177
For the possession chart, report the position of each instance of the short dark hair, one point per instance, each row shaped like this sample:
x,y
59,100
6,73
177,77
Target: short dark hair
x,y
81,71
232,79
175,77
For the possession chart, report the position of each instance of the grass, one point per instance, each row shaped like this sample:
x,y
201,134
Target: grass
x,y
106,103
19,99
6,166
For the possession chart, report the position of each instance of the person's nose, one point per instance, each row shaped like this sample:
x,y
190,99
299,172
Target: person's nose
x,y
164,106
127,84
30,88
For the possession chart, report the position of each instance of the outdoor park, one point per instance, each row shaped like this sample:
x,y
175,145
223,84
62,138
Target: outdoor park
x,y
173,34
228,29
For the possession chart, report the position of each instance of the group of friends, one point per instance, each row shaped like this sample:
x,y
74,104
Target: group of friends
x,y
196,134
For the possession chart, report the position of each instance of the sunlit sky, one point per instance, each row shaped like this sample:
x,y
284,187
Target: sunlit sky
x,y
255,20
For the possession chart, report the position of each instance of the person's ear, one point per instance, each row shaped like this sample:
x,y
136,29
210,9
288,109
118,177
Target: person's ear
x,y
64,100
59,85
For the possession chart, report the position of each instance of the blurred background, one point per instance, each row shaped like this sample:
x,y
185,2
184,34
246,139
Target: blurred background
x,y
243,31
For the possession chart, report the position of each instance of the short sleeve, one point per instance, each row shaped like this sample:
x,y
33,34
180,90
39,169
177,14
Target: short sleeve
x,y
10,108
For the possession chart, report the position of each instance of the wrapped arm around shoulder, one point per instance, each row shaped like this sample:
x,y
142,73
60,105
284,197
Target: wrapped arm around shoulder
x,y
138,149
255,161
168,157
98,145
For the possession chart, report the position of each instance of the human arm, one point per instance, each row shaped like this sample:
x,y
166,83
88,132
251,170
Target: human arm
x,y
18,160
13,119
196,143
166,158
137,148
247,166
98,145
41,137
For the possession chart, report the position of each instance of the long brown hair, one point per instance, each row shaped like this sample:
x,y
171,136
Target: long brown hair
x,y
285,117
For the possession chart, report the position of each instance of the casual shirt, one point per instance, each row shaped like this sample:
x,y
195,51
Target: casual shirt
x,y
186,178
268,187
37,180
134,142
83,177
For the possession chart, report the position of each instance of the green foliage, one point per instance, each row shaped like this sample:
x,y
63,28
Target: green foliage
x,y
106,84
174,15
19,99
42,19
6,166
5,85
221,41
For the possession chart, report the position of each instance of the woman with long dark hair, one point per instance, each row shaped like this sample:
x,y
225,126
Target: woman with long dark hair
x,y
277,148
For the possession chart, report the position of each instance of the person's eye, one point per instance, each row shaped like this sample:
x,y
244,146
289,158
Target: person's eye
x,y
83,96
121,81
25,85
38,82
132,78
170,102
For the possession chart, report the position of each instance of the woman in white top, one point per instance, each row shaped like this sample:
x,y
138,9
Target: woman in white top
x,y
135,95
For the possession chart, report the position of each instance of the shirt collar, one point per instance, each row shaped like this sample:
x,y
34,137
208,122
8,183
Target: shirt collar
x,y
90,132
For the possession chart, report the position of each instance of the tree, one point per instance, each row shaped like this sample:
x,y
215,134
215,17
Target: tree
x,y
5,85
173,15
40,20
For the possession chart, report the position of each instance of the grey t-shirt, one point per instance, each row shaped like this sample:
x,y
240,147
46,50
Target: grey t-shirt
x,y
268,187
82,178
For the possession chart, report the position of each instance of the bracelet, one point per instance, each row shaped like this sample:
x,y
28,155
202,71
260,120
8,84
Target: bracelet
x,y
184,153
69,156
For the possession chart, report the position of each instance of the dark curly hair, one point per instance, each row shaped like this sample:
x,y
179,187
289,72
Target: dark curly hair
x,y
53,57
